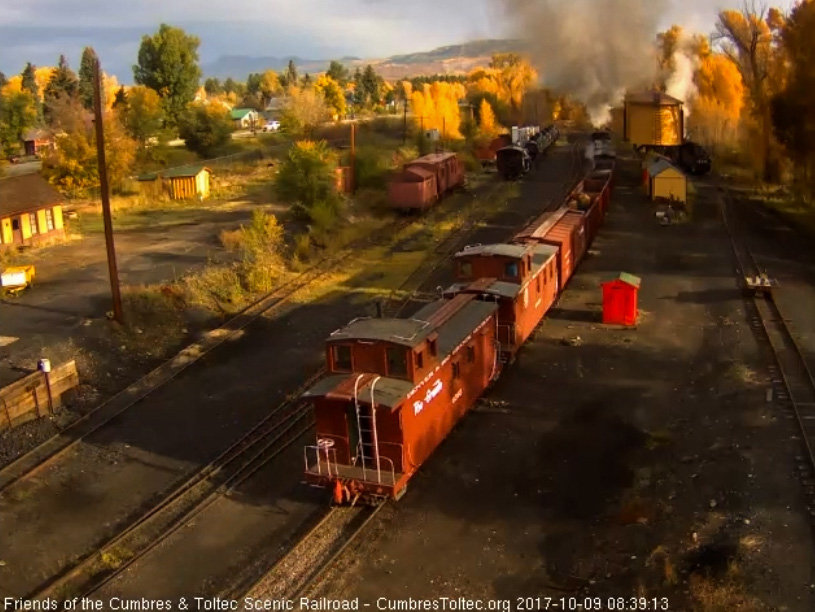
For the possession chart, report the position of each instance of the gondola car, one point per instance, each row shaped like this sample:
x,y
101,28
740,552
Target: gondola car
x,y
513,162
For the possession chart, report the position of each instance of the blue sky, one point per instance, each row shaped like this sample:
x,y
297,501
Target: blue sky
x,y
39,30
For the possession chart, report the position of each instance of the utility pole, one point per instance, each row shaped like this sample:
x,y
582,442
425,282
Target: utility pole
x,y
118,314
404,129
353,159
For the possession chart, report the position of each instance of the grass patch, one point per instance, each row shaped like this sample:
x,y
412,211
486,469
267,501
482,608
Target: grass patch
x,y
711,595
797,213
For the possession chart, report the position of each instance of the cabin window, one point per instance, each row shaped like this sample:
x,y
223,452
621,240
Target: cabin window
x,y
456,370
538,283
49,219
341,357
470,354
397,361
32,220
15,224
431,347
419,360
511,269
465,269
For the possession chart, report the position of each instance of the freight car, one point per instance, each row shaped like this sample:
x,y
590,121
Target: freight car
x,y
395,387
425,181
513,162
487,155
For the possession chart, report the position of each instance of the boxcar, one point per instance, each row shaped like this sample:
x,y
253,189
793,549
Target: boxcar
x,y
564,229
413,189
445,166
394,390
522,278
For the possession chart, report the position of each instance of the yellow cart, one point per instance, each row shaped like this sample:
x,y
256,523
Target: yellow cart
x,y
16,279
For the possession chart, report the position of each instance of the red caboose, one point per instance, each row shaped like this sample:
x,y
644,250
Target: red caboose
x,y
394,390
522,278
425,180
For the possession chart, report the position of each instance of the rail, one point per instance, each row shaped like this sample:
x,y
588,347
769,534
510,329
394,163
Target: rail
x,y
793,382
294,574
276,433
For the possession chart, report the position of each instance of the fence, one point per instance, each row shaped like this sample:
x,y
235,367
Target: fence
x,y
36,395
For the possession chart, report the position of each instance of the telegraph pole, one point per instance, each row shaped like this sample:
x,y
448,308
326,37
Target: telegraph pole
x,y
353,159
404,129
118,314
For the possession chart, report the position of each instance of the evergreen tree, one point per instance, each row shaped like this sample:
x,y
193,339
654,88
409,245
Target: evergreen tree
x,y
29,82
86,77
63,83
3,79
339,73
306,80
372,84
360,97
290,76
121,98
213,87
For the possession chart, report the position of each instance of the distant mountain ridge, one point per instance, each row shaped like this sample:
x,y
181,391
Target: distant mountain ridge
x,y
450,59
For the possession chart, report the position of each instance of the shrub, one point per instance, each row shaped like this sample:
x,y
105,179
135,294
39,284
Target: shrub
x,y
371,166
204,128
306,178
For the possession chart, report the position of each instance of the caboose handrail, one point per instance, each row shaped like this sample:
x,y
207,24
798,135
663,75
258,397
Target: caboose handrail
x,y
373,426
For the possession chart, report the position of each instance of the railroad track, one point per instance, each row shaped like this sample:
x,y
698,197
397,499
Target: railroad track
x,y
284,425
303,565
268,439
396,306
793,384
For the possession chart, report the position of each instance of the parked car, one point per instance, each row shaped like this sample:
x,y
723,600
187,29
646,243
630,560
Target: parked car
x,y
271,126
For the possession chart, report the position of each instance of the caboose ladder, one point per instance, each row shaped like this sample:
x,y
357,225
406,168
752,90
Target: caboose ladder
x,y
367,450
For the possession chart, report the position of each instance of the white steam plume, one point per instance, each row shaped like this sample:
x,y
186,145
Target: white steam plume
x,y
680,83
594,50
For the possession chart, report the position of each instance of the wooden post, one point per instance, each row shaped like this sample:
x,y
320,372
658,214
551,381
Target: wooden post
x,y
118,314
353,159
404,129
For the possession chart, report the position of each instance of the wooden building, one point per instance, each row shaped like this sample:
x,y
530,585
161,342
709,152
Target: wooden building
x,y
30,211
667,182
620,300
36,141
183,183
244,118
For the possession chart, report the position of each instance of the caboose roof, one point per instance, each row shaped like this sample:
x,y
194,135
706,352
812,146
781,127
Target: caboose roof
x,y
515,251
652,97
452,319
388,392
408,332
455,329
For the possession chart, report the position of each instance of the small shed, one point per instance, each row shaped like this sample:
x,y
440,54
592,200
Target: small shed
x,y
182,183
620,300
667,182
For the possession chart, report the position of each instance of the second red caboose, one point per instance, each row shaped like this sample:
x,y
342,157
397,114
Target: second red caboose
x,y
522,278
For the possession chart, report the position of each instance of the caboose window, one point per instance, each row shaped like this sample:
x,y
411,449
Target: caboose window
x,y
465,269
419,360
431,347
397,361
341,357
538,283
470,354
456,370
511,270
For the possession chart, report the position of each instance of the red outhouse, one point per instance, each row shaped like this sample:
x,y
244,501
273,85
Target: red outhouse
x,y
620,300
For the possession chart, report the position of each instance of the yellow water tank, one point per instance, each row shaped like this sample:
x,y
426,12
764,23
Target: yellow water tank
x,y
654,119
